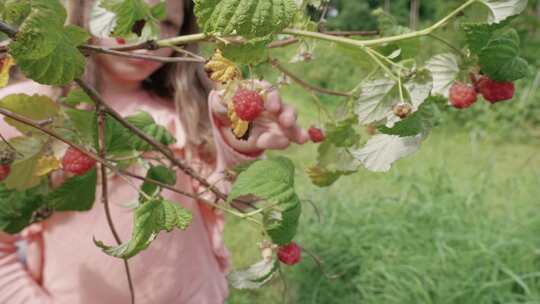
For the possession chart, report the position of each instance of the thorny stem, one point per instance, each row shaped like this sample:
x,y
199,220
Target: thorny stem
x,y
105,195
400,87
383,66
111,167
378,41
94,95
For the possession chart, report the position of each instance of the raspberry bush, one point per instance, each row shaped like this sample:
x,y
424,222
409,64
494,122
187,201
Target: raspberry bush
x,y
395,101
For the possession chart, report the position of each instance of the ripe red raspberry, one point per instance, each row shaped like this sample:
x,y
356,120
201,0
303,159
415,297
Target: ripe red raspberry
x,y
120,40
494,91
462,95
316,135
290,254
4,171
76,162
248,104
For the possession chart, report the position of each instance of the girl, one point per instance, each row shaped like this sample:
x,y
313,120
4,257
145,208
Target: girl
x,y
64,266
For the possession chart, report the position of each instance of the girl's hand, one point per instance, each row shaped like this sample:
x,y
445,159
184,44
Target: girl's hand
x,y
276,128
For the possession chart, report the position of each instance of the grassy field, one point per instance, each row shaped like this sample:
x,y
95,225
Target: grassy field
x,y
457,222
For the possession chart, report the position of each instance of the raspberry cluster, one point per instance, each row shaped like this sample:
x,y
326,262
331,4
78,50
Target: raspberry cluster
x,y
76,162
465,95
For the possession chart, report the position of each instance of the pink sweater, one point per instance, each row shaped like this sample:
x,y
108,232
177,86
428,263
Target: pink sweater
x,y
64,266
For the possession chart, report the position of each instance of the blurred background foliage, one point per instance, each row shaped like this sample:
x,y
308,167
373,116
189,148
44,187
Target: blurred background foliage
x,y
457,222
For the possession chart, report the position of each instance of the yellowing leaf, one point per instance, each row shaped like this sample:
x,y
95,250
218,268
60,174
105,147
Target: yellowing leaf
x,y
35,107
221,69
5,65
46,164
239,127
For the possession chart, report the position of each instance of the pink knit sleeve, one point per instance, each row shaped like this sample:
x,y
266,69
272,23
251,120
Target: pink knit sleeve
x,y
17,285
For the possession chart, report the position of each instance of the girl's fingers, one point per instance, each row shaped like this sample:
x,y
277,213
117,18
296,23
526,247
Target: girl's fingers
x,y
273,102
288,116
272,140
299,135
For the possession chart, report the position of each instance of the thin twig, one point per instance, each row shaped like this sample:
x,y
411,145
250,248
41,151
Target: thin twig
x,y
105,194
109,166
9,145
8,30
275,63
103,50
188,53
319,263
94,95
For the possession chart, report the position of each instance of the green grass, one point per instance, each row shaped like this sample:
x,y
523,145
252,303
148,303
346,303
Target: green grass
x,y
455,223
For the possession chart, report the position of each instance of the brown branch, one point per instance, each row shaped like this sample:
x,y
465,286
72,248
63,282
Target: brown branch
x,y
8,30
275,63
146,45
282,43
94,95
100,160
104,50
105,195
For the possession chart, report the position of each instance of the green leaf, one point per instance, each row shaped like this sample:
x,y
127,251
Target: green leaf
x,y
382,150
254,276
500,58
17,207
146,123
133,18
253,51
444,69
419,122
479,34
342,133
272,180
46,50
15,11
378,97
85,125
150,218
321,177
389,26
76,194
22,176
159,11
160,174
376,100
336,159
35,107
500,10
76,97
248,18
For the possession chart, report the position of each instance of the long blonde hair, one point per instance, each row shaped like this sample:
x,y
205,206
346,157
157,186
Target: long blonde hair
x,y
185,83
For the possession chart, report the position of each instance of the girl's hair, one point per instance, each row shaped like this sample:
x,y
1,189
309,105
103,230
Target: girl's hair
x,y
185,83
